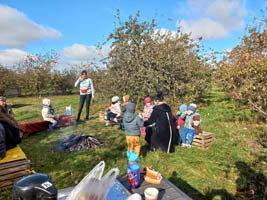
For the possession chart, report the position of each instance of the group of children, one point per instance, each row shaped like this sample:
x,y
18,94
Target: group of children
x,y
132,124
187,121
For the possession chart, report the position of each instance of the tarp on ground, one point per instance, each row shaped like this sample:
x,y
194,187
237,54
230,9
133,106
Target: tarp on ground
x,y
14,155
34,127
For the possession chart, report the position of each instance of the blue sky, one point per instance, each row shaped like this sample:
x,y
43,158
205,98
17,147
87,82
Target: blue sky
x,y
74,28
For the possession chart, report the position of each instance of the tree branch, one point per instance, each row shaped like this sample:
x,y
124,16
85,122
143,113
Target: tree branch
x,y
257,108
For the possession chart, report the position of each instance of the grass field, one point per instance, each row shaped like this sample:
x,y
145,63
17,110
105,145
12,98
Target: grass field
x,y
235,162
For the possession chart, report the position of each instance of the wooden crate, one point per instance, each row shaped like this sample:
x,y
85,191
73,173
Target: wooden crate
x,y
203,140
13,167
102,116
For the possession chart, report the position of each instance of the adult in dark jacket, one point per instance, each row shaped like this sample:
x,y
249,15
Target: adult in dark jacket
x,y
10,134
163,133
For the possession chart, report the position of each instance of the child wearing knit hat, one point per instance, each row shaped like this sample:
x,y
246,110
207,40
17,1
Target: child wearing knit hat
x,y
189,130
148,109
48,114
126,101
114,110
180,121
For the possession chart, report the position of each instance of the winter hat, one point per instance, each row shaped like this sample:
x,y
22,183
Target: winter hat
x,y
192,107
159,97
46,102
147,100
130,108
183,107
126,98
115,99
2,98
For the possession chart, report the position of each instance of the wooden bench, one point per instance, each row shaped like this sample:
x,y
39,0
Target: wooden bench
x,y
13,166
29,128
167,190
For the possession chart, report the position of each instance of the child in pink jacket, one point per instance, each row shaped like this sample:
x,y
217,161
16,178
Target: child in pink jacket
x,y
148,108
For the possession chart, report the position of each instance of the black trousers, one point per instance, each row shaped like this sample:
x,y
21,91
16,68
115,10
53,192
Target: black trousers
x,y
84,98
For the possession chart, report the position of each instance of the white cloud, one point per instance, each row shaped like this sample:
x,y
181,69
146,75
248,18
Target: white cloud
x,y
229,13
18,31
83,52
204,27
12,56
217,18
164,31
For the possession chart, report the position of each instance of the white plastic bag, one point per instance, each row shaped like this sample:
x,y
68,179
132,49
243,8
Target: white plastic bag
x,y
93,187
69,111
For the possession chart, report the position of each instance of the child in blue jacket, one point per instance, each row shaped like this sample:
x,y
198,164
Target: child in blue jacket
x,y
188,125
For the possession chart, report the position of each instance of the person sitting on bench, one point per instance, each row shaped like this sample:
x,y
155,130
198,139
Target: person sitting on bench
x,y
114,110
6,106
10,135
48,114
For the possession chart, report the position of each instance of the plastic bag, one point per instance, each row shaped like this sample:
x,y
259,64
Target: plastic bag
x,y
94,186
69,111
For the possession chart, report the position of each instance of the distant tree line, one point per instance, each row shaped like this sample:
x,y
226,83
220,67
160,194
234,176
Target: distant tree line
x,y
144,60
37,75
243,71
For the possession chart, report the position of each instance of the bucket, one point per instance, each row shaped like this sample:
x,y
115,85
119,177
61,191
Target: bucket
x,y
133,171
151,193
135,196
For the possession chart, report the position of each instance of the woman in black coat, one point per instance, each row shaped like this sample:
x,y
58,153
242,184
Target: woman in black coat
x,y
163,134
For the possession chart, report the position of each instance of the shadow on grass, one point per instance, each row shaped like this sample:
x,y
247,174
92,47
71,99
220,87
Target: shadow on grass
x,y
222,193
185,187
20,105
212,98
250,184
94,117
144,150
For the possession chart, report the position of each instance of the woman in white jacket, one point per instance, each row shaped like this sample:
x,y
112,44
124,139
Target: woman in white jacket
x,y
48,114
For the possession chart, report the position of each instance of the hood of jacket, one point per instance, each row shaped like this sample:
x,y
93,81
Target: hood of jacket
x,y
129,115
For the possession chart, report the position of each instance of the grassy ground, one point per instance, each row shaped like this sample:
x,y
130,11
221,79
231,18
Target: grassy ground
x,y
235,161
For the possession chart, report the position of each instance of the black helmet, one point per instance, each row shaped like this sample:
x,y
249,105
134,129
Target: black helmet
x,y
35,187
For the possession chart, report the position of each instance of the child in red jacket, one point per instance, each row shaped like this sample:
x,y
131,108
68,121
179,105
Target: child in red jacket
x,y
180,121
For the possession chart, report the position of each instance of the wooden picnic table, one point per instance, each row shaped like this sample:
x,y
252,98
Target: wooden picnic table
x,y
167,190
